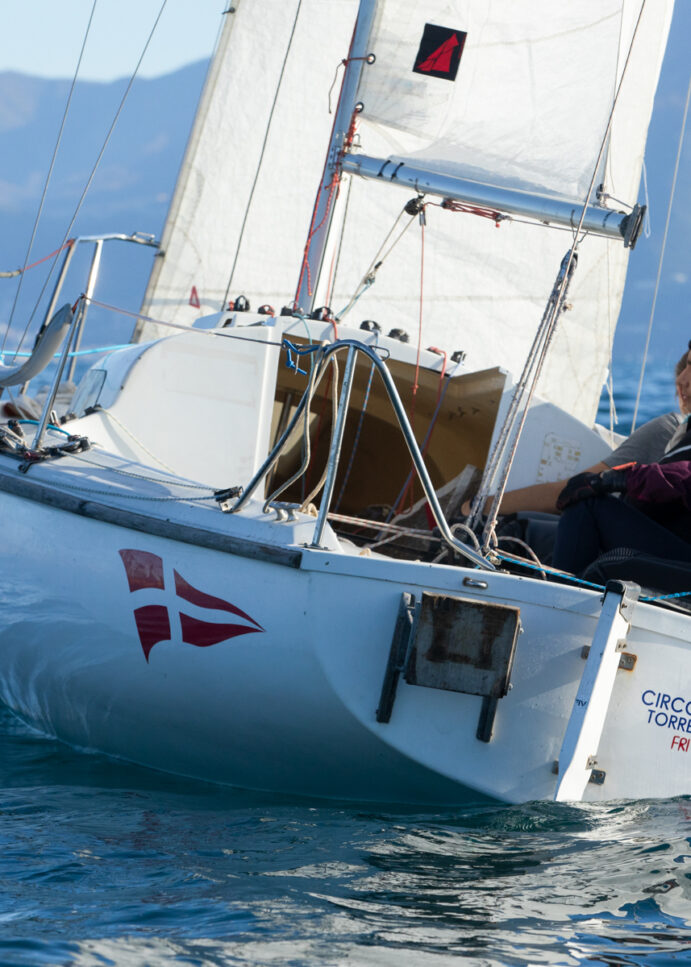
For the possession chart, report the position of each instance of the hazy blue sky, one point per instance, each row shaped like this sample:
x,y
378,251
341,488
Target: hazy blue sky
x,y
44,37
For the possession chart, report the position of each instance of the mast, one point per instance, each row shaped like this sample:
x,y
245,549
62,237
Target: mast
x,y
327,192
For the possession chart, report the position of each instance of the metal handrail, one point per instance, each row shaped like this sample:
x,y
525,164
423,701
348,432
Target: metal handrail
x,y
77,321
139,238
354,347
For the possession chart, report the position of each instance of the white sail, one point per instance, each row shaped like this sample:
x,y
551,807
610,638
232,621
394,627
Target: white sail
x,y
264,115
528,108
518,94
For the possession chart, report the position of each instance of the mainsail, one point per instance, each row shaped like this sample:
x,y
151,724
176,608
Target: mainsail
x,y
243,200
526,110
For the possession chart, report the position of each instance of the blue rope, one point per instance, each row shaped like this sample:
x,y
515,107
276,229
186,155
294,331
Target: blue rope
x,y
291,348
559,574
667,597
588,584
78,352
357,439
349,306
51,426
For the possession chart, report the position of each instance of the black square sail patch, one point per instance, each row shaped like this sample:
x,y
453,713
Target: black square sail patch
x,y
440,52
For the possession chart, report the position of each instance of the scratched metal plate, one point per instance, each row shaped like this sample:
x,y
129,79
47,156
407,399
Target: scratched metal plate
x,y
463,646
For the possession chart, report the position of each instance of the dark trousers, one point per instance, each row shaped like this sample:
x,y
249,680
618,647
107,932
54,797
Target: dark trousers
x,y
591,527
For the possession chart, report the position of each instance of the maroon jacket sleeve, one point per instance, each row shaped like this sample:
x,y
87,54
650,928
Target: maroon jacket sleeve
x,y
660,483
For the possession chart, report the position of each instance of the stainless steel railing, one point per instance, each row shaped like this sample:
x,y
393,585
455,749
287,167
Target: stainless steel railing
x,y
323,354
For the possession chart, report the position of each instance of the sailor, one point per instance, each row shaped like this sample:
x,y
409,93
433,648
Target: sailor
x,y
654,516
646,445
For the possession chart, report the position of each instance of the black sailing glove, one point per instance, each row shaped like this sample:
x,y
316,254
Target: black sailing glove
x,y
585,485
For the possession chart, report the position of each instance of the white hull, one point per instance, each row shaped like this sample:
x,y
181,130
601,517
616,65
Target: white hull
x,y
290,705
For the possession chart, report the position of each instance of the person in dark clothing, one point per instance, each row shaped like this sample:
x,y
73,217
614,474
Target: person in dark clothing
x,y
647,444
653,515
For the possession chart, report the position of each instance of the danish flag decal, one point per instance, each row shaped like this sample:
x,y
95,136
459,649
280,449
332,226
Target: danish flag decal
x,y
145,571
440,52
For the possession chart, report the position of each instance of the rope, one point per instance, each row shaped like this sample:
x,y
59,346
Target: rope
x,y
369,277
356,441
580,582
425,444
16,272
45,187
96,165
213,333
337,262
139,443
526,547
261,154
419,325
68,485
78,352
662,253
305,268
344,63
647,228
139,476
458,526
47,183
416,384
49,426
456,206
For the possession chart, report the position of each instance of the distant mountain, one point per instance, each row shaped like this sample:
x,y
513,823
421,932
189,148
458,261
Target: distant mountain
x,y
130,192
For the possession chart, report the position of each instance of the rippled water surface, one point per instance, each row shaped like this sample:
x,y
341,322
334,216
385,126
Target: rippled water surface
x,y
103,863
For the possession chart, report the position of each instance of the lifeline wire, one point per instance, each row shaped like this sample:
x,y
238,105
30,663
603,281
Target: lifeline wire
x,y
47,182
97,163
581,582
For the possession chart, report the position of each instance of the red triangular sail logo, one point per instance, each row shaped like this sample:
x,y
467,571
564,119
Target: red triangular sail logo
x,y
440,60
194,298
439,53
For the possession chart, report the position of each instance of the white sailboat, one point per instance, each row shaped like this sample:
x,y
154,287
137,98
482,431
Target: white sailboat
x,y
197,572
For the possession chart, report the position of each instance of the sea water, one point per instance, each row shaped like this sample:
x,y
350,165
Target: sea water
x,y
104,863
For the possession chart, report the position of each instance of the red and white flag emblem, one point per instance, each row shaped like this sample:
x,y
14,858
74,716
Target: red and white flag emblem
x,y
145,571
